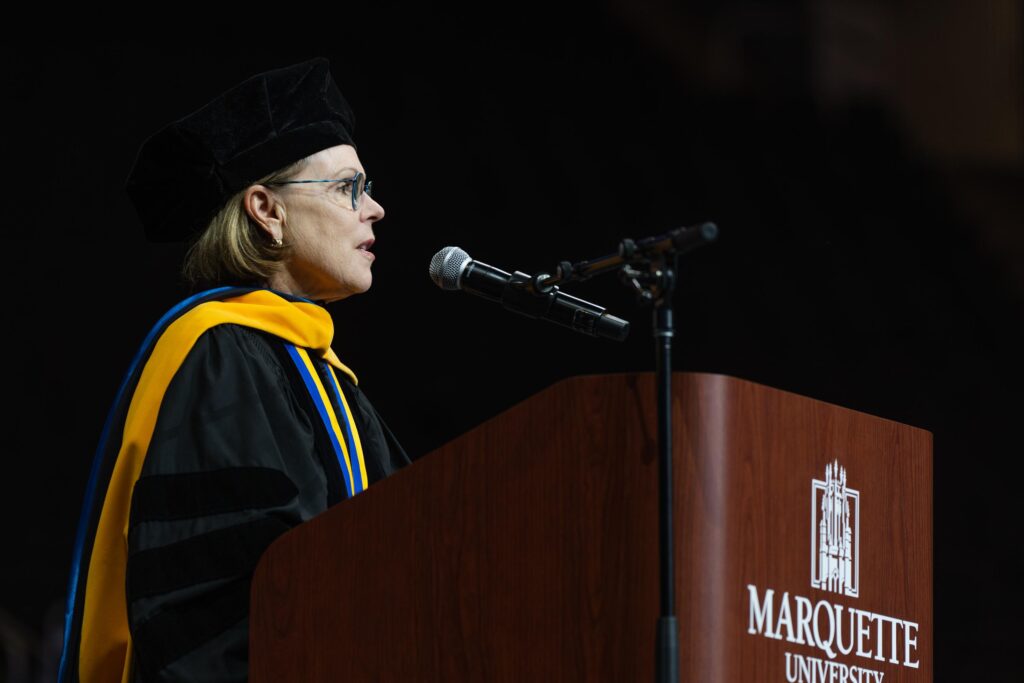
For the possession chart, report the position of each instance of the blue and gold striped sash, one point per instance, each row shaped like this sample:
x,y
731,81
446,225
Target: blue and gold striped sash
x,y
343,434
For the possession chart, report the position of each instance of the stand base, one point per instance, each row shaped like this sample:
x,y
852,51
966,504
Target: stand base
x,y
667,651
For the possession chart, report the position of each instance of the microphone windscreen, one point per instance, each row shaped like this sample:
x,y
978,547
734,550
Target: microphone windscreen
x,y
446,267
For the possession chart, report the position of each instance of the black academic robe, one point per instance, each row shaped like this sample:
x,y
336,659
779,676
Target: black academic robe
x,y
238,449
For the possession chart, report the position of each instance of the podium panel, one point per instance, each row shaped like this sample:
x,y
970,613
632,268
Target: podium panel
x,y
527,548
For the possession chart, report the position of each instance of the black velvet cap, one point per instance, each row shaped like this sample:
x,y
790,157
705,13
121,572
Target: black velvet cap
x,y
186,171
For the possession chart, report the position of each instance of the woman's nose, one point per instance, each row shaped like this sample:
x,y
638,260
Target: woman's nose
x,y
372,209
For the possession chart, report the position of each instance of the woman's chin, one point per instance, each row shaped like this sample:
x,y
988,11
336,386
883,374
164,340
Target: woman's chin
x,y
339,295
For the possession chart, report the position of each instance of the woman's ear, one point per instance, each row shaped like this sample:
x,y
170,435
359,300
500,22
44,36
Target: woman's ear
x,y
266,209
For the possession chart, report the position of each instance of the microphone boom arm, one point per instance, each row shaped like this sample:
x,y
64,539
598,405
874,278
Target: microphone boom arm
x,y
632,253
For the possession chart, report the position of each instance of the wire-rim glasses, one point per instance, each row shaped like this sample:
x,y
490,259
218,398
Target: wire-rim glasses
x,y
358,181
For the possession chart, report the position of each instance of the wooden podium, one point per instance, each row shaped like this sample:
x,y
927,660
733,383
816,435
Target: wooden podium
x,y
526,549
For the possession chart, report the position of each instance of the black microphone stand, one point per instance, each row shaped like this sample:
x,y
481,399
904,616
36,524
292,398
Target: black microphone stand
x,y
649,267
656,286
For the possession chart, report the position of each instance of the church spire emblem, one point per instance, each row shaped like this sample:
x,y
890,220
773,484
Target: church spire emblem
x,y
835,533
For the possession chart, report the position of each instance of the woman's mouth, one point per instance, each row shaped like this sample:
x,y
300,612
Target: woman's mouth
x,y
365,248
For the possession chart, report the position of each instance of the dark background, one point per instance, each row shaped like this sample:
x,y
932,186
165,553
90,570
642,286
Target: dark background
x,y
864,161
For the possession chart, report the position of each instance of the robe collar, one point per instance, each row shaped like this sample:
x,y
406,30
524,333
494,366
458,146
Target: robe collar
x,y
294,319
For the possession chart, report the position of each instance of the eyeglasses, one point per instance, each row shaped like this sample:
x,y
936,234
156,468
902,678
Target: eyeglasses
x,y
352,188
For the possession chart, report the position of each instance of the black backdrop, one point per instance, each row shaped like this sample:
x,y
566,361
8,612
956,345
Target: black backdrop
x,y
846,270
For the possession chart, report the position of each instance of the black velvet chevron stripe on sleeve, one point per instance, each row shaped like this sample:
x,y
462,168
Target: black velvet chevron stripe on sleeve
x,y
224,553
188,631
194,494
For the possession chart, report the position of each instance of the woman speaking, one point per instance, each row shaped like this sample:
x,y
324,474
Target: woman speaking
x,y
236,421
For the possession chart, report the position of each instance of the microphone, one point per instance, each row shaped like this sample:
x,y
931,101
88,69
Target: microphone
x,y
452,268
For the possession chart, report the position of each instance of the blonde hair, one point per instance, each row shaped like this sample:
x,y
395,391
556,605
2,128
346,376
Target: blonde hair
x,y
234,249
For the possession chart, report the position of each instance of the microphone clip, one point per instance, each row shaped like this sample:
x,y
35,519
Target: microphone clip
x,y
651,282
525,295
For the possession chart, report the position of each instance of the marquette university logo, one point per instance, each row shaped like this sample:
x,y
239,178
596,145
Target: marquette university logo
x,y
836,631
835,533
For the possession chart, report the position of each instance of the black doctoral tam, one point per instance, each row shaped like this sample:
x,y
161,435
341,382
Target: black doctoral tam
x,y
185,172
